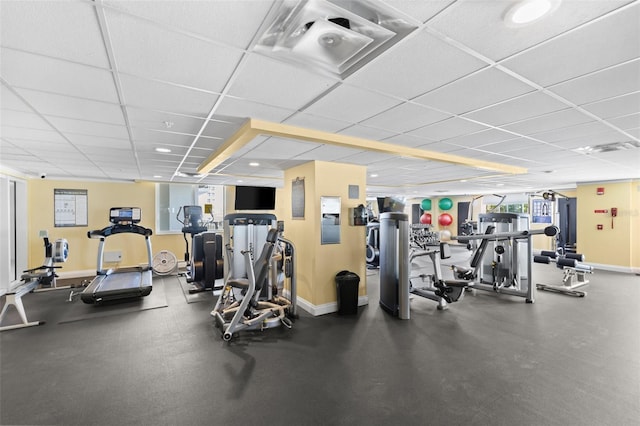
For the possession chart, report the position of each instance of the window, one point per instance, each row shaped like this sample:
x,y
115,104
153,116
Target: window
x,y
171,197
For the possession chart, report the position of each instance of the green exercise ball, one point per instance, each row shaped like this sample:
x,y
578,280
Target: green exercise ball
x,y
445,203
426,204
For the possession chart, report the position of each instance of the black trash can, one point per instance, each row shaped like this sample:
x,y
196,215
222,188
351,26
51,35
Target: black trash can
x,y
347,288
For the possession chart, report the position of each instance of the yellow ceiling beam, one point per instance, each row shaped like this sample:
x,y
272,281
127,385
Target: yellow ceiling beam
x,y
252,127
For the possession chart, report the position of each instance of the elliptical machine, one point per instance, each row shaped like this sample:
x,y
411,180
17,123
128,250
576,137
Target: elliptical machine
x,y
205,263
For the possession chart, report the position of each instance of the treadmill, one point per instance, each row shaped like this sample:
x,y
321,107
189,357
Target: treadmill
x,y
113,284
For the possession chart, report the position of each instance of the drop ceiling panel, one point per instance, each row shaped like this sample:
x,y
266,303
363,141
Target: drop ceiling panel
x,y
418,64
480,26
405,117
351,104
615,38
25,70
67,30
422,11
70,107
8,100
591,140
447,129
151,139
365,158
20,133
154,95
316,122
601,85
572,132
554,120
156,120
241,108
626,122
85,127
367,132
616,107
521,108
88,141
265,80
477,90
480,138
217,20
22,119
278,148
181,60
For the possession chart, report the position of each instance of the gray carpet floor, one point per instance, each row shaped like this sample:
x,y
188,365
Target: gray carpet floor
x,y
488,360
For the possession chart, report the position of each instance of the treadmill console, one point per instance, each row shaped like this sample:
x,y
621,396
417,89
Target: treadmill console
x,y
125,215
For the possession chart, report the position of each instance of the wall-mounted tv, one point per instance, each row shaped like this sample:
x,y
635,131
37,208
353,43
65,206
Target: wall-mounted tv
x,y
255,198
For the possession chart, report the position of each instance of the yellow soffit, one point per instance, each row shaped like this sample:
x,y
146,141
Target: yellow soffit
x,y
252,128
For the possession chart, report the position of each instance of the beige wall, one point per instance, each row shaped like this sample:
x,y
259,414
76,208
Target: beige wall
x,y
618,245
101,197
318,264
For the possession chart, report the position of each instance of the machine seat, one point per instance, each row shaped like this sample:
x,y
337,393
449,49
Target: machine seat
x,y
458,283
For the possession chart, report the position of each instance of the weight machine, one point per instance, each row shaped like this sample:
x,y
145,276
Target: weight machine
x,y
396,258
253,297
502,261
574,272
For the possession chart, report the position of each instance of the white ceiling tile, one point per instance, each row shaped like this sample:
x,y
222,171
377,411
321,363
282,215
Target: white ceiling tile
x,y
616,107
71,107
156,120
591,140
88,140
615,38
477,90
419,10
366,132
278,148
405,117
217,20
626,122
67,78
480,138
148,94
16,133
415,66
241,108
447,129
572,132
480,25
521,108
315,122
67,30
351,104
365,158
22,119
265,80
546,122
8,100
181,59
601,85
85,127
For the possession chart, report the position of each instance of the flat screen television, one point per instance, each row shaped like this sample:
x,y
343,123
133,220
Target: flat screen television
x,y
255,198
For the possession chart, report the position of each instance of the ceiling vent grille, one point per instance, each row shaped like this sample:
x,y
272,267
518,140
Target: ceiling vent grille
x,y
608,147
337,36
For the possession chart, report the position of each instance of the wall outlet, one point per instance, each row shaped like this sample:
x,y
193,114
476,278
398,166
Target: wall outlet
x,y
112,256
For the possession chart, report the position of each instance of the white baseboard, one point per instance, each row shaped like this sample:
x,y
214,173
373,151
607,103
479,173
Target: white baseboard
x,y
326,308
614,268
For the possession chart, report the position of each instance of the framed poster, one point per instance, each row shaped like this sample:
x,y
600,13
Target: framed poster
x,y
70,207
541,211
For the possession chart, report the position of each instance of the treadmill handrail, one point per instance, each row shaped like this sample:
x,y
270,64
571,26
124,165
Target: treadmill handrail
x,y
120,229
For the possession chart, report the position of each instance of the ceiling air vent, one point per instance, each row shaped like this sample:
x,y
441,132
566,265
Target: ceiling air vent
x,y
608,147
337,36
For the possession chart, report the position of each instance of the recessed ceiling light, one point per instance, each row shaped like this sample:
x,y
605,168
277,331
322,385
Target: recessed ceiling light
x,y
163,150
463,180
239,181
254,164
373,175
157,176
528,11
499,184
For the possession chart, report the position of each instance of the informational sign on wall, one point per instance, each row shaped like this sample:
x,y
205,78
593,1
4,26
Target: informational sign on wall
x,y
70,207
542,211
